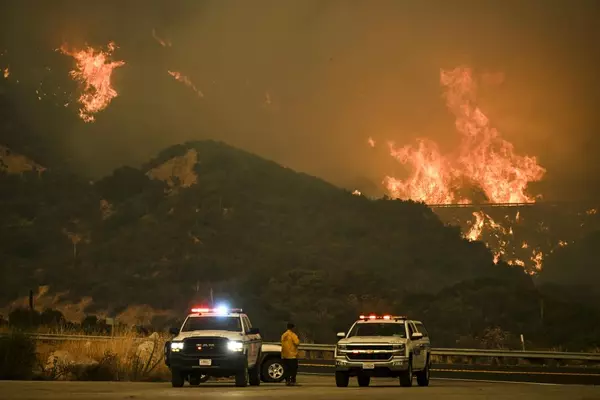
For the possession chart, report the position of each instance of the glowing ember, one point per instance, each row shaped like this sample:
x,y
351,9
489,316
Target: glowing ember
x,y
485,160
537,258
162,42
186,81
93,72
6,73
357,192
371,142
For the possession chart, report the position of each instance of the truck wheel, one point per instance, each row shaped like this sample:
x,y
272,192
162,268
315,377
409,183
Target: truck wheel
x,y
254,374
177,378
423,376
342,378
241,378
363,380
194,380
406,376
273,370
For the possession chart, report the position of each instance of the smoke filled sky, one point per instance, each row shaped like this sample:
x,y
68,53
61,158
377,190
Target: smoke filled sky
x,y
307,82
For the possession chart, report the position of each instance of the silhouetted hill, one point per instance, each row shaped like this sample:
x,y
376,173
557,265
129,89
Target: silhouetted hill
x,y
204,217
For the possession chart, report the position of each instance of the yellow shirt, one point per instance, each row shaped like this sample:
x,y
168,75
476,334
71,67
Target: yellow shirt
x,y
289,344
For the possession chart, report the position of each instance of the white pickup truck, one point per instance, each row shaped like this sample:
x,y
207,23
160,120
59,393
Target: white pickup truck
x,y
221,343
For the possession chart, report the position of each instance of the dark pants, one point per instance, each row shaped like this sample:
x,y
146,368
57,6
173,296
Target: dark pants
x,y
291,369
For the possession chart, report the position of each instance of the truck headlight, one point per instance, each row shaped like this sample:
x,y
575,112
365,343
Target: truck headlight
x,y
342,347
233,345
176,346
398,347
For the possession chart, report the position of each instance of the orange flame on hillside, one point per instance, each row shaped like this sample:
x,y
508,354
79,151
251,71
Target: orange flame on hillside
x,y
93,71
6,73
484,160
186,81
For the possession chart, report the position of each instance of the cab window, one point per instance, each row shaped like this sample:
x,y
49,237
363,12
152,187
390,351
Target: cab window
x,y
378,329
421,328
247,324
216,323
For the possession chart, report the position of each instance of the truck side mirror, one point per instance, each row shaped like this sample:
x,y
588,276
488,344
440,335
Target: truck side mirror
x,y
253,331
416,336
341,335
174,331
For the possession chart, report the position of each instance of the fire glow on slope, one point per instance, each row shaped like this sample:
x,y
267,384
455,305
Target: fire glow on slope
x,y
186,81
484,160
93,71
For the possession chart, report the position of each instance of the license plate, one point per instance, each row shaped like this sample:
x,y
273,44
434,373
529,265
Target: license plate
x,y
368,366
206,362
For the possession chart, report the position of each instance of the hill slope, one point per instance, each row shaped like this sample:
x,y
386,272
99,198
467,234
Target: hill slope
x,y
205,215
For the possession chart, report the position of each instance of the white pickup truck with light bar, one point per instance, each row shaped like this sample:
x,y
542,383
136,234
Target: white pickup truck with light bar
x,y
383,346
215,342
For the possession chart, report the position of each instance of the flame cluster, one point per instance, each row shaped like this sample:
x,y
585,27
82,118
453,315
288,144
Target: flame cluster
x,y
484,160
93,71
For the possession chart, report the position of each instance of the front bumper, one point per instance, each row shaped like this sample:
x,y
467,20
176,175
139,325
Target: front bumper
x,y
394,364
220,365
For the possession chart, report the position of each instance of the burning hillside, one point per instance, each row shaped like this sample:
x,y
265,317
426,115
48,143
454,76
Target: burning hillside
x,y
93,71
484,161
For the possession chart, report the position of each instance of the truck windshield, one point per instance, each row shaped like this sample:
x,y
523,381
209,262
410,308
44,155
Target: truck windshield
x,y
379,329
219,323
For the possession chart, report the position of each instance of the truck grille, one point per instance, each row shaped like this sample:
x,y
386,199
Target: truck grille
x,y
370,347
366,356
206,346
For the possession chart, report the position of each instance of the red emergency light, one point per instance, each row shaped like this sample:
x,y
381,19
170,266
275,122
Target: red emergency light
x,y
386,317
217,310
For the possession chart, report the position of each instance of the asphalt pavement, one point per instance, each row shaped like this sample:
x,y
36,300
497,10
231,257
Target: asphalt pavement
x,y
311,387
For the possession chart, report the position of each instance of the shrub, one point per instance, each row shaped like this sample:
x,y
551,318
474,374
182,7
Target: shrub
x,y
17,356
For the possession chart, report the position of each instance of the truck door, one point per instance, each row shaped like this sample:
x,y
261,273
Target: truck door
x,y
419,352
254,342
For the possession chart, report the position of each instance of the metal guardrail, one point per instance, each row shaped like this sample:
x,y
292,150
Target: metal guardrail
x,y
551,355
450,352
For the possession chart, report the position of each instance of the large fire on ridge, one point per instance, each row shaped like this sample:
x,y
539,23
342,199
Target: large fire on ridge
x,y
484,160
93,71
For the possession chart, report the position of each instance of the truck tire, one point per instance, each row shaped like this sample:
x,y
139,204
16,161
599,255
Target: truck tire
x,y
406,376
254,373
273,370
195,380
363,380
342,378
241,378
423,376
177,378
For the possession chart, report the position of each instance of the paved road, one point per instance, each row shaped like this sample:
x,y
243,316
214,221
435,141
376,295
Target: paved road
x,y
561,375
313,387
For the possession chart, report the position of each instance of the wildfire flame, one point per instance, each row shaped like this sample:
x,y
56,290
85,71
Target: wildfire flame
x,y
477,227
484,160
93,71
6,73
186,81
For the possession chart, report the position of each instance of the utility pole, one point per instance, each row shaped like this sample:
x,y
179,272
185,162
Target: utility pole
x,y
212,301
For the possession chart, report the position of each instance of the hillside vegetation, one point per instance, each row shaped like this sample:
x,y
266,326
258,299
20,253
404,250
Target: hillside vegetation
x,y
147,243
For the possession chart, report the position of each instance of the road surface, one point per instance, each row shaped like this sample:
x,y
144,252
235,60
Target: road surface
x,y
312,387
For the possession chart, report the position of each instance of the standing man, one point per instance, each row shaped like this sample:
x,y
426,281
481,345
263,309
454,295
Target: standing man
x,y
289,354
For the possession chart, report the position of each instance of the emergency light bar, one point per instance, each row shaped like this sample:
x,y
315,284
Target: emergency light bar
x,y
386,317
218,310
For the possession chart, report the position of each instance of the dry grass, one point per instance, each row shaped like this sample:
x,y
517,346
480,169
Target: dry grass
x,y
129,357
